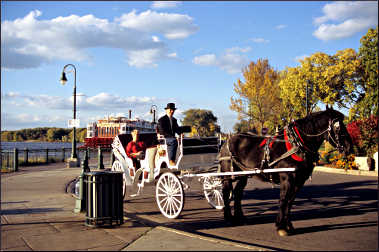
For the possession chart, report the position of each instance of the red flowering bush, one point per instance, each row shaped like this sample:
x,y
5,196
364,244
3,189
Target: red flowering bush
x,y
364,134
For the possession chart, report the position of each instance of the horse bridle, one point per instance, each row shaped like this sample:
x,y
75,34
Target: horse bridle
x,y
333,126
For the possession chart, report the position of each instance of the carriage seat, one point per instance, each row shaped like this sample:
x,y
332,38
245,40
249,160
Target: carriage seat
x,y
150,139
199,152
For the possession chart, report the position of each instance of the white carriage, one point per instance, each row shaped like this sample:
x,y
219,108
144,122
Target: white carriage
x,y
194,156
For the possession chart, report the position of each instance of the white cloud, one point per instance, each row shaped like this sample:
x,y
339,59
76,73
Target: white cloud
x,y
349,18
54,111
302,57
165,4
281,26
205,60
238,49
28,120
171,25
68,38
96,102
260,40
230,61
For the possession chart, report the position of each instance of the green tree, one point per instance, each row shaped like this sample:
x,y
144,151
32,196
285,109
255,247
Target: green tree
x,y
241,126
56,134
203,123
81,133
367,89
258,97
6,136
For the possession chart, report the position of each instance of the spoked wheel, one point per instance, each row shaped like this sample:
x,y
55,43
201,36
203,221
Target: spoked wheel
x,y
117,166
169,195
212,187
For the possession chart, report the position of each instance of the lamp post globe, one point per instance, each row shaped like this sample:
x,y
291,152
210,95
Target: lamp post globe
x,y
153,110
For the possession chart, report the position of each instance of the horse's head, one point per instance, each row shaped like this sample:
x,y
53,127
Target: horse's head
x,y
337,134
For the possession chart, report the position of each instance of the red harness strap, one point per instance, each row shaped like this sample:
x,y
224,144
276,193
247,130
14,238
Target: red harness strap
x,y
265,141
289,146
298,134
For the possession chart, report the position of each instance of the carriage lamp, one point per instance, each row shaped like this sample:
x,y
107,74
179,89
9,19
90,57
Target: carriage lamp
x,y
74,161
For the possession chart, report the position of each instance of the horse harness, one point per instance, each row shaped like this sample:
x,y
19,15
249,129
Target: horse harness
x,y
295,147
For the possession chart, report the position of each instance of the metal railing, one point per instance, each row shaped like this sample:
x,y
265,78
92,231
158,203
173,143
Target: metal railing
x,y
11,159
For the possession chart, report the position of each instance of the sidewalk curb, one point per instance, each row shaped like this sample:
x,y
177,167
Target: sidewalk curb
x,y
215,240
346,172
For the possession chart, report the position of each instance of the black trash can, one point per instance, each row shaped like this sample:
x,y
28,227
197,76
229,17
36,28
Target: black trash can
x,y
104,201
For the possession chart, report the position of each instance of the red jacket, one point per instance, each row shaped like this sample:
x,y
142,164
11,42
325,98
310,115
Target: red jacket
x,y
134,147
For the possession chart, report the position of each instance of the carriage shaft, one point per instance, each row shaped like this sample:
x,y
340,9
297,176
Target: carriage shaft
x,y
257,171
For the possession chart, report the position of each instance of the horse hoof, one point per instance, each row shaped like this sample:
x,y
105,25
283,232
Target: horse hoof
x,y
282,232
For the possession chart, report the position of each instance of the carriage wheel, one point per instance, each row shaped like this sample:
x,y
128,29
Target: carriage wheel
x,y
212,187
117,166
169,195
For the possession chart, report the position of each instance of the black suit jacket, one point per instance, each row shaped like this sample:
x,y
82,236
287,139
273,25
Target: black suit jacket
x,y
164,127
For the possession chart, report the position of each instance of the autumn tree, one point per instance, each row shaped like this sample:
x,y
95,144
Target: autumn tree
x,y
203,123
258,98
366,103
331,79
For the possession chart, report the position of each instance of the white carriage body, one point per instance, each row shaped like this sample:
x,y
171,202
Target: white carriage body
x,y
193,154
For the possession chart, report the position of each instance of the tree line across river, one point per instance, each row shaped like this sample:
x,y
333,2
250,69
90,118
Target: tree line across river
x,y
43,134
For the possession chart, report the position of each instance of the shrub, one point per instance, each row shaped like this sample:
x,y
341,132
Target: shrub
x,y
342,162
364,134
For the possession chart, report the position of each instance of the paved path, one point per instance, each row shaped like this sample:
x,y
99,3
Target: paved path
x,y
37,214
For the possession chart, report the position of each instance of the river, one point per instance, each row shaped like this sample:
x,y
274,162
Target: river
x,y
37,145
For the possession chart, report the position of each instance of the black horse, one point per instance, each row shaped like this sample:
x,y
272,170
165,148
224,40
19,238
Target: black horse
x,y
294,146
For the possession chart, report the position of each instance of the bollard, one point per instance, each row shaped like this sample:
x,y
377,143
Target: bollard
x,y
85,166
47,156
63,154
80,204
26,156
15,160
100,164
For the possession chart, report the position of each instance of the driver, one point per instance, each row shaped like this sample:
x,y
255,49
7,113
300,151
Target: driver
x,y
168,126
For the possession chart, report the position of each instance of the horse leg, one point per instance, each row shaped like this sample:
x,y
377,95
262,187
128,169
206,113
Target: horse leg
x,y
299,183
286,193
227,187
239,217
289,187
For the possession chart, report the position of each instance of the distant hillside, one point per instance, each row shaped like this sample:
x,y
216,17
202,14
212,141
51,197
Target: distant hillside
x,y
44,134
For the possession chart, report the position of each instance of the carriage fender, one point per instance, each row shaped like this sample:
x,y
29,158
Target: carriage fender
x,y
126,163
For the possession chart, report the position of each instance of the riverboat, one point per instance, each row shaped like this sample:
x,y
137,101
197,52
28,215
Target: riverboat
x,y
102,132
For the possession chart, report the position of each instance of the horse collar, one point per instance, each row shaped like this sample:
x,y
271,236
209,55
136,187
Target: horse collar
x,y
289,141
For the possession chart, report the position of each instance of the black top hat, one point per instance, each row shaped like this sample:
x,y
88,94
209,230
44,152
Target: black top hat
x,y
170,106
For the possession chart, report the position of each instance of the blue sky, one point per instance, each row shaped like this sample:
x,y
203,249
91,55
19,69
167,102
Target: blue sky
x,y
132,55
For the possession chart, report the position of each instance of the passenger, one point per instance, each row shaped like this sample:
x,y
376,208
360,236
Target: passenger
x,y
136,149
168,126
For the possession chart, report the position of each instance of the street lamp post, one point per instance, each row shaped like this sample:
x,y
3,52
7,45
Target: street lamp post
x,y
63,80
153,110
308,95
